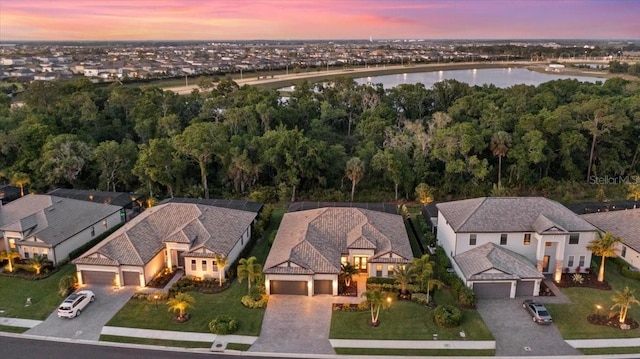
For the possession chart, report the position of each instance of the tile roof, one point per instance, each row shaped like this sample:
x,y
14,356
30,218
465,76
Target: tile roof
x,y
316,239
202,226
510,214
52,219
490,261
624,224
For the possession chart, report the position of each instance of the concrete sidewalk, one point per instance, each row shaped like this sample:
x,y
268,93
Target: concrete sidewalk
x,y
604,343
175,335
413,344
21,323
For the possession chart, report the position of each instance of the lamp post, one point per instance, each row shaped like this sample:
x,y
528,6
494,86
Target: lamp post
x,y
156,297
598,307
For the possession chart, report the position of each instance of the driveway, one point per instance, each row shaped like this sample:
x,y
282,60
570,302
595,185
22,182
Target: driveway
x,y
516,334
296,324
89,324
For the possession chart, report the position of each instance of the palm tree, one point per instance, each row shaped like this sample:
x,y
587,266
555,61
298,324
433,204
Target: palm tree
x,y
403,275
37,262
10,256
248,268
500,143
634,193
623,299
424,193
354,172
347,271
180,303
221,262
423,270
604,246
375,299
20,179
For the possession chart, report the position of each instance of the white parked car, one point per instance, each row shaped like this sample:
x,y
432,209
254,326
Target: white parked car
x,y
75,303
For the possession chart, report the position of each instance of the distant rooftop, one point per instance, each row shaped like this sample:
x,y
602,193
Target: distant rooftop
x,y
379,207
243,205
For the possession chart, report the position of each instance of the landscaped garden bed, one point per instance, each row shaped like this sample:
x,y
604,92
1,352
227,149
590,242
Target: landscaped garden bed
x,y
582,280
612,321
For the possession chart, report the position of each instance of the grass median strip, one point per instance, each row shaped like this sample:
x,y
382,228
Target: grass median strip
x,y
12,329
610,350
158,342
416,352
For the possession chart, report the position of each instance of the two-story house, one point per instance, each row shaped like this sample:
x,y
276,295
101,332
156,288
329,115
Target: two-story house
x,y
502,246
624,224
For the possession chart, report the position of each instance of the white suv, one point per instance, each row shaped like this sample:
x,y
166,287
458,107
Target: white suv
x,y
75,303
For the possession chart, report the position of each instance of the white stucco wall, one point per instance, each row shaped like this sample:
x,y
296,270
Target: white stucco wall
x,y
631,256
154,266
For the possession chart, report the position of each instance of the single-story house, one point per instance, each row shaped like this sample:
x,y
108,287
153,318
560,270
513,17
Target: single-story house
x,y
624,224
173,234
525,233
132,203
311,245
52,226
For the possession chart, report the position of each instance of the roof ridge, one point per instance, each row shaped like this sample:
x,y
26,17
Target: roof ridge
x,y
471,213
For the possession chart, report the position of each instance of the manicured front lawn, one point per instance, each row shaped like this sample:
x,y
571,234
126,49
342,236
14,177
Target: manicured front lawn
x,y
416,352
43,293
611,350
406,321
571,319
161,342
145,314
6,328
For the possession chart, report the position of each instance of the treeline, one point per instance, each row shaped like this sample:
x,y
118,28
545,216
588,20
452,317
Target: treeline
x,y
616,67
325,141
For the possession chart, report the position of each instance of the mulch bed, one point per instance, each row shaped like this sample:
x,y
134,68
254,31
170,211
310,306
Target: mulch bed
x,y
611,321
181,319
545,291
590,280
350,291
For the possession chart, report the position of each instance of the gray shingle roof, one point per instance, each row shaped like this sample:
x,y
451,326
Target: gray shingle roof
x,y
316,239
52,219
624,224
202,226
490,261
510,214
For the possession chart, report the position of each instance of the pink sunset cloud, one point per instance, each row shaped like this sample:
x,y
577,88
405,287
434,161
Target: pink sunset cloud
x,y
309,19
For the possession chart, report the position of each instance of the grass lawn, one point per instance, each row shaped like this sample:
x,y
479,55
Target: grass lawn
x,y
6,328
43,293
416,352
571,319
407,321
612,350
145,314
238,346
159,342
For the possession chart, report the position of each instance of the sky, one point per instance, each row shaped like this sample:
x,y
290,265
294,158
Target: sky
x,y
59,20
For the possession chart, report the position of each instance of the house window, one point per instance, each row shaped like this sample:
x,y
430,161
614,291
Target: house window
x,y
45,253
623,253
242,241
570,262
574,238
503,239
204,265
93,231
472,239
12,243
378,270
527,239
344,260
547,244
26,253
389,270
581,262
193,264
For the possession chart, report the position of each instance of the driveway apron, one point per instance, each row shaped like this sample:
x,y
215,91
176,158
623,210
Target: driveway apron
x,y
89,323
296,324
515,332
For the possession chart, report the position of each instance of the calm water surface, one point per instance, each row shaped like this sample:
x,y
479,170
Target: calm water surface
x,y
502,78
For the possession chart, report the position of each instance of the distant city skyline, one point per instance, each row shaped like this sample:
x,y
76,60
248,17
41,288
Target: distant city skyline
x,y
81,20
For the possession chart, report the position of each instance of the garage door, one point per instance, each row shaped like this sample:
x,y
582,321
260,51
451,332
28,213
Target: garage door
x,y
323,287
96,277
525,288
131,278
492,290
292,287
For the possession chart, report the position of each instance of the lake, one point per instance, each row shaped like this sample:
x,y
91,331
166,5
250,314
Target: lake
x,y
500,77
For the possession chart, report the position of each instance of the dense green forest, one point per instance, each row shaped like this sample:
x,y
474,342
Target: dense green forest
x,y
558,139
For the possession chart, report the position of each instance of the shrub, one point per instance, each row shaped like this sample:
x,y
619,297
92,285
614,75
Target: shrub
x,y
420,298
251,302
467,297
223,324
380,280
629,273
577,278
447,316
66,285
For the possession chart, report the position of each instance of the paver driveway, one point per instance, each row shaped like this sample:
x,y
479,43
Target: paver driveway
x,y
89,324
515,332
296,324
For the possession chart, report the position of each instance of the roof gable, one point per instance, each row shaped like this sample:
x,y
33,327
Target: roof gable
x,y
624,224
490,261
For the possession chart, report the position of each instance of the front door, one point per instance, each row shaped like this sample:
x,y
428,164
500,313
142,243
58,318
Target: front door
x,y
360,263
545,264
180,259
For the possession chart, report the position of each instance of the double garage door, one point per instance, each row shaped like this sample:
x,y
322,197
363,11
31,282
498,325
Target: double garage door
x,y
108,278
294,287
503,290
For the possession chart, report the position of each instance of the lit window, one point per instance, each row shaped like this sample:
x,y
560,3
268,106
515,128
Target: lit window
x,y
574,238
527,239
343,259
378,270
204,265
390,270
547,244
503,239
570,263
472,239
193,264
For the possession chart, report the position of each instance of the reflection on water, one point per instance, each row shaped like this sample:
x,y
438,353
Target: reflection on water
x,y
502,78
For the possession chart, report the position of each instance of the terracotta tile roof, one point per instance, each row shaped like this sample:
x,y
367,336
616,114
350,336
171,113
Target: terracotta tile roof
x,y
316,239
490,261
509,214
202,226
624,224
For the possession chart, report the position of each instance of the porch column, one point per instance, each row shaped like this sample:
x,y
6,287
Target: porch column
x,y
79,276
536,287
560,258
540,254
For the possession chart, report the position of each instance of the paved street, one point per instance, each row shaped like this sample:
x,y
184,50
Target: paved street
x,y
89,324
296,324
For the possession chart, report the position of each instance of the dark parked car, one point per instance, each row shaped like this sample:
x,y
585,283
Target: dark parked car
x,y
538,312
